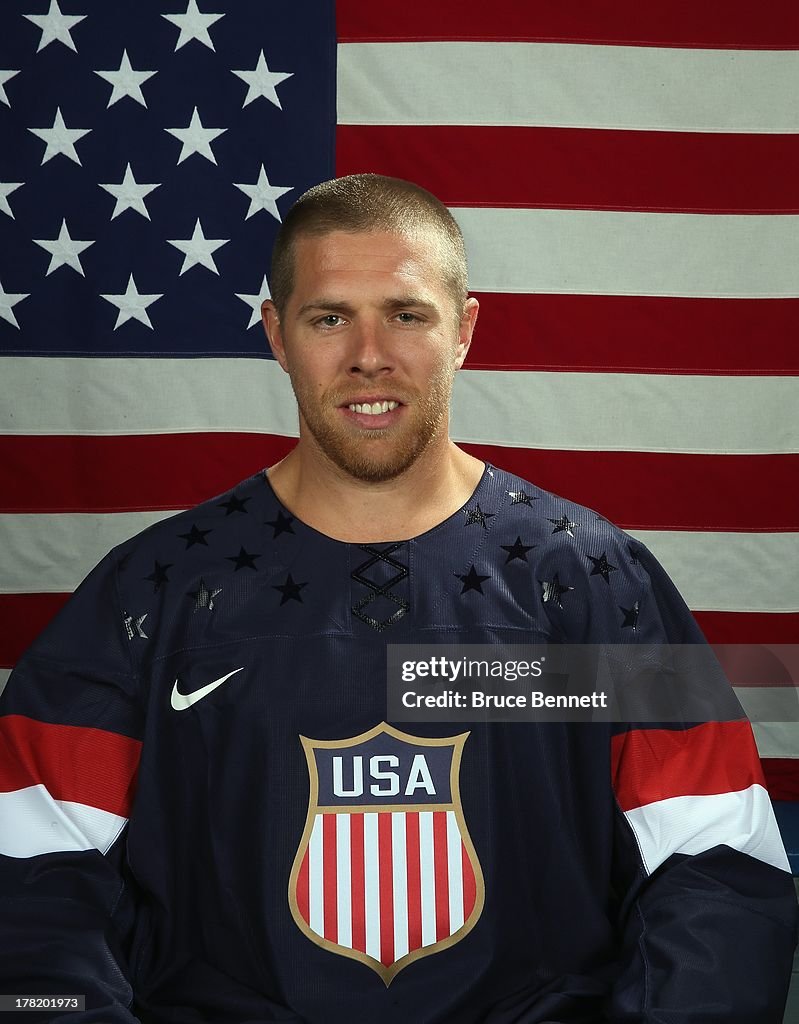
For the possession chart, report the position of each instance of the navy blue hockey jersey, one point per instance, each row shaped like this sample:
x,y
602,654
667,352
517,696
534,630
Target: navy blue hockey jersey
x,y
204,815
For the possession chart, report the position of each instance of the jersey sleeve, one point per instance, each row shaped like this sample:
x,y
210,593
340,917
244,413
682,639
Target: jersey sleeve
x,y
708,910
70,739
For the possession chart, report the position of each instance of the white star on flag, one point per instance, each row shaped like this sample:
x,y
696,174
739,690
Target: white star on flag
x,y
5,76
193,25
64,251
198,249
132,305
126,81
59,139
7,300
129,194
55,26
263,196
196,138
6,188
254,302
262,82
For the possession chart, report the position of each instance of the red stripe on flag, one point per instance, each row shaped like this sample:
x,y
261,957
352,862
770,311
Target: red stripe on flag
x,y
626,22
749,627
414,870
82,765
330,892
386,861
441,867
303,899
649,488
357,899
782,778
581,168
469,884
657,764
605,333
24,616
648,493
131,473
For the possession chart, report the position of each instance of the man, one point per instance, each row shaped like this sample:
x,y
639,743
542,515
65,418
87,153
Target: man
x,y
207,817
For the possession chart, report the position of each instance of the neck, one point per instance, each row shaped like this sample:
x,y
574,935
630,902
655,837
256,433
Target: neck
x,y
331,501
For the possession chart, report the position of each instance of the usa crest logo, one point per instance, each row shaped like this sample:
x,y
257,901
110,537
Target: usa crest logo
x,y
385,872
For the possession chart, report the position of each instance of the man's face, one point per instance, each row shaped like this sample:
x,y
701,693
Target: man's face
x,y
371,337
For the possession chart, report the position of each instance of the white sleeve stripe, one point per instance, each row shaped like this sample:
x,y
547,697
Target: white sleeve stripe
x,y
33,823
743,820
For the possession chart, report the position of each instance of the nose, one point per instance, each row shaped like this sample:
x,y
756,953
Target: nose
x,y
370,349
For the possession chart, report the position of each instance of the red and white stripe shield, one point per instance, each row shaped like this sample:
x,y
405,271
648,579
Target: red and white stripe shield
x,y
386,871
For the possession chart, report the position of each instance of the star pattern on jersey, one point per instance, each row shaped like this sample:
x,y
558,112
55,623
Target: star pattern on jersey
x,y
132,305
563,525
196,138
280,524
255,301
630,617
552,590
55,26
158,577
7,302
203,596
133,625
193,24
472,580
290,590
244,560
233,504
263,195
129,194
602,567
261,82
195,536
60,140
126,82
521,498
64,251
198,250
5,76
517,550
6,188
476,515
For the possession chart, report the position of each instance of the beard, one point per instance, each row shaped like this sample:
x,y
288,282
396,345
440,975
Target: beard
x,y
381,454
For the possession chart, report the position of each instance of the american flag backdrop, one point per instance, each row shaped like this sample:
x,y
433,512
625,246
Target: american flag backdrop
x,y
627,179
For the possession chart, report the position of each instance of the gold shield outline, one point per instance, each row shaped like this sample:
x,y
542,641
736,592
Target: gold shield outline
x,y
456,742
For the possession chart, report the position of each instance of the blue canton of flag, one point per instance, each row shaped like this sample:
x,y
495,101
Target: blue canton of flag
x,y
150,150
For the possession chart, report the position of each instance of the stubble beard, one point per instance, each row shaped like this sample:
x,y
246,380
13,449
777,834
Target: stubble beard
x,y
377,455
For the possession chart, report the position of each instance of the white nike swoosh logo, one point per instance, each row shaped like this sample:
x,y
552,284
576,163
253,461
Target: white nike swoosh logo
x,y
182,701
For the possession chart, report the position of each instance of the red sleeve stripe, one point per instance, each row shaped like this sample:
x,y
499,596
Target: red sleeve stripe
x,y
77,764
657,764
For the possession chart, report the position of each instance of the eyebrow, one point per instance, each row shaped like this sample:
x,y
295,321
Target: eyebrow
x,y
337,306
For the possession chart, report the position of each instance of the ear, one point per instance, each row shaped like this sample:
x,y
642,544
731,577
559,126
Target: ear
x,y
465,330
274,332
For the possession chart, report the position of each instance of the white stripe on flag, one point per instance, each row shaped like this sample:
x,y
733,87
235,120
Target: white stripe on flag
x,y
562,411
568,85
603,252
78,542
33,823
371,875
4,674
743,820
316,870
777,739
778,704
344,880
400,868
455,869
428,878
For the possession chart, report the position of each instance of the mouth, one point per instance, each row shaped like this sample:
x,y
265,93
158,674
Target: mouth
x,y
373,413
